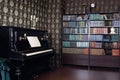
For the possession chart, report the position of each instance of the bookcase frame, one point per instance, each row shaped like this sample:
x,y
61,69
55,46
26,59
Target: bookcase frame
x,y
78,56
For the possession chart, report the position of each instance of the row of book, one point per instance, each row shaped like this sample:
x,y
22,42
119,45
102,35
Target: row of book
x,y
75,31
92,44
114,23
95,44
97,17
74,24
84,23
105,45
98,30
114,37
85,17
93,30
115,16
81,24
96,38
109,45
97,52
75,37
75,17
116,45
74,50
104,30
69,17
113,52
96,23
102,38
75,44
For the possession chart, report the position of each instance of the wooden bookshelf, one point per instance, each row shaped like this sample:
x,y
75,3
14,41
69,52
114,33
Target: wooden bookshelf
x,y
87,39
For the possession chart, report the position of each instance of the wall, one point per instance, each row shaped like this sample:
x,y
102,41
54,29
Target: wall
x,y
18,12
78,6
53,24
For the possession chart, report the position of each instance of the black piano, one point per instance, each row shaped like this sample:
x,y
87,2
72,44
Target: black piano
x,y
28,50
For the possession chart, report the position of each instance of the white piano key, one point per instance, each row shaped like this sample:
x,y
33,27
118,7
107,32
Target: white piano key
x,y
38,52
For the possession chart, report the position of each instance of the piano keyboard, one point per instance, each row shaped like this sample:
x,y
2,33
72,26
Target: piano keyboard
x,y
38,52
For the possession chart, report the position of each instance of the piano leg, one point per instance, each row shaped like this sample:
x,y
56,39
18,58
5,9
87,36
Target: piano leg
x,y
18,73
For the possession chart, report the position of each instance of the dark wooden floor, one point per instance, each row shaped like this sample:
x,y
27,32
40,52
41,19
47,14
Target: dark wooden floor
x,y
73,73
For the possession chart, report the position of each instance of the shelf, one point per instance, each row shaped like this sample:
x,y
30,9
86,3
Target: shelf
x,y
75,59
100,61
75,20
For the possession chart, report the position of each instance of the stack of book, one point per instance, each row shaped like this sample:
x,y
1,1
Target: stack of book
x,y
115,52
98,30
115,45
97,17
115,37
116,23
96,23
81,24
69,17
75,51
96,38
95,44
97,52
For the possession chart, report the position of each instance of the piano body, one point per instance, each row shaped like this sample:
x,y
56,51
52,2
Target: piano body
x,y
28,51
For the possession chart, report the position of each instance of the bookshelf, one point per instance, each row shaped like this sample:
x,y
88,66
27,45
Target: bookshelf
x,y
91,39
75,42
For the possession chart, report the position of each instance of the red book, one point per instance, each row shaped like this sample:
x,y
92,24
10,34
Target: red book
x,y
115,52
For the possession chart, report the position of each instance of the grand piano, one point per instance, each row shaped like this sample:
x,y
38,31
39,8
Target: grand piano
x,y
28,51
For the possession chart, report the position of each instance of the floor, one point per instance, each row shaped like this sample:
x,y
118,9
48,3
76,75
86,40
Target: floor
x,y
73,73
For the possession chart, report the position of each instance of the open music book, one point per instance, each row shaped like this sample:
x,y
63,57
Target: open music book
x,y
33,41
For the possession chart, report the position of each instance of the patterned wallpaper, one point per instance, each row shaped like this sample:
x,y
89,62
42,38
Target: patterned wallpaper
x,y
18,12
53,24
78,6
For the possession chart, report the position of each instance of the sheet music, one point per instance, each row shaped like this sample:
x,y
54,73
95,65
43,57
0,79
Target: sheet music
x,y
33,41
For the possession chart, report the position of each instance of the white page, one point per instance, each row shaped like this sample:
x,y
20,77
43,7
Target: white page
x,y
33,41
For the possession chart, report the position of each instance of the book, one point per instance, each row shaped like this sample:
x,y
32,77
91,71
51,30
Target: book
x,y
97,17
115,52
96,23
97,52
74,51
